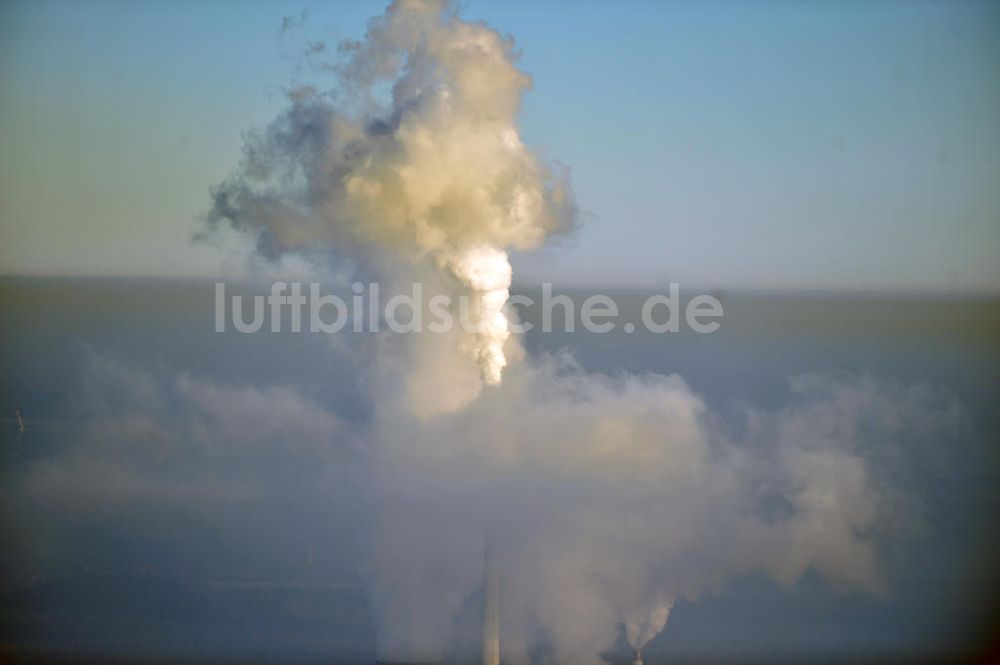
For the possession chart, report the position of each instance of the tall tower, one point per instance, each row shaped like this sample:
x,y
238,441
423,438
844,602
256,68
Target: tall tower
x,y
491,628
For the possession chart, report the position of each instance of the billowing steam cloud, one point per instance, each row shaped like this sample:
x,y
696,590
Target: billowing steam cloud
x,y
437,174
608,497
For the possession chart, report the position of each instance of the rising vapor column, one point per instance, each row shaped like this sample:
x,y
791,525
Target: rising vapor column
x,y
491,628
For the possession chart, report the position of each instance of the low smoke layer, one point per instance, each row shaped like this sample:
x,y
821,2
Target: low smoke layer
x,y
608,498
192,477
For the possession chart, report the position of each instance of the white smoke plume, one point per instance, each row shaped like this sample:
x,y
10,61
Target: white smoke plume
x,y
640,629
608,497
435,175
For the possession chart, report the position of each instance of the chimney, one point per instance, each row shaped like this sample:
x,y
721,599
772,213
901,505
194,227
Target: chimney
x,y
638,658
491,630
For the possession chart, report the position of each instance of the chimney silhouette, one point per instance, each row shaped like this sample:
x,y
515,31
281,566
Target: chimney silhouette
x,y
491,628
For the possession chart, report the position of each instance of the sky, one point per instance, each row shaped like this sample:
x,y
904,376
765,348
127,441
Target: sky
x,y
735,145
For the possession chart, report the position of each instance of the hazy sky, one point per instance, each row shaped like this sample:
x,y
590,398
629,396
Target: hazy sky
x,y
829,145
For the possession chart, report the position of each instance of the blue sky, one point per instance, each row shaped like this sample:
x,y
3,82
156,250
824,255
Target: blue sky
x,y
755,145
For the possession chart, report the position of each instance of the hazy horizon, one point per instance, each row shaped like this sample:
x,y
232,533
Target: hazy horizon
x,y
713,145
